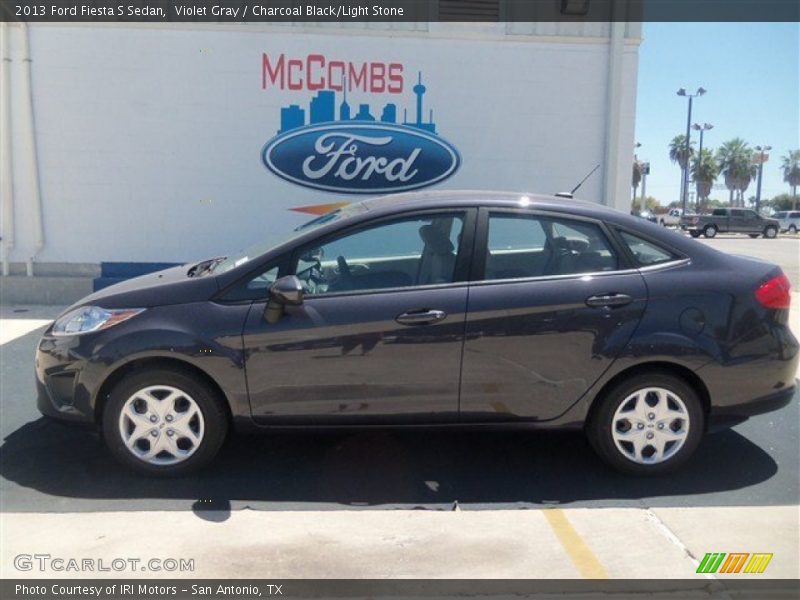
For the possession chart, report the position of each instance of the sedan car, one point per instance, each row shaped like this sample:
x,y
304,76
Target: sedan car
x,y
432,309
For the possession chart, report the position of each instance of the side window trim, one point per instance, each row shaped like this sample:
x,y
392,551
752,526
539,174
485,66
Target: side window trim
x,y
463,252
626,262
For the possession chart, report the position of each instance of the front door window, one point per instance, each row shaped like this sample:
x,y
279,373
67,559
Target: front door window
x,y
401,253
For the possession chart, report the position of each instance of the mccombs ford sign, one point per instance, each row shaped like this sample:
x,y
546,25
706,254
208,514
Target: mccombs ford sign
x,y
352,150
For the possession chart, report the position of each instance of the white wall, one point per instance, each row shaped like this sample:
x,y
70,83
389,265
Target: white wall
x,y
149,139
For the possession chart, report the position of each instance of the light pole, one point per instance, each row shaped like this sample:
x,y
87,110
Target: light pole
x,y
682,92
762,153
702,129
635,162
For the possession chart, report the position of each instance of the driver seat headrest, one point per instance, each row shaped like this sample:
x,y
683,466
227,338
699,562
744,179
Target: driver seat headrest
x,y
435,240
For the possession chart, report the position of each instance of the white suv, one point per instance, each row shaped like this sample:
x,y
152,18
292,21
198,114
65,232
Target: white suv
x,y
789,220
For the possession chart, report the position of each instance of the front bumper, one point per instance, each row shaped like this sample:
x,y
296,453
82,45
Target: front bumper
x,y
66,383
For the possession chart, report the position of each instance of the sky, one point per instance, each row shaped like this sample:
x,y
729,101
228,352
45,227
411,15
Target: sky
x,y
751,72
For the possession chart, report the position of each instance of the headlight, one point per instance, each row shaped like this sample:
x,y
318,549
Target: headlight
x,y
92,318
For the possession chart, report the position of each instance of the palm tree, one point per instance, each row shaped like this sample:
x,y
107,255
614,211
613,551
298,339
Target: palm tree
x,y
678,154
704,171
735,162
636,179
791,173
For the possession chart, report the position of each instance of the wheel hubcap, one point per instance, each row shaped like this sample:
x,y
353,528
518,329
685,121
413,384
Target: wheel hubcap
x,y
650,426
161,425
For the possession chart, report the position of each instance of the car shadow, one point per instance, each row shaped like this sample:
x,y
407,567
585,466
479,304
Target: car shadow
x,y
428,469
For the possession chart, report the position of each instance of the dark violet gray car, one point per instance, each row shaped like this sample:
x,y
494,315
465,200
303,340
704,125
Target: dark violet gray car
x,y
428,309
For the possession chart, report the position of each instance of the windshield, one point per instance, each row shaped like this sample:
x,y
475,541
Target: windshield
x,y
260,248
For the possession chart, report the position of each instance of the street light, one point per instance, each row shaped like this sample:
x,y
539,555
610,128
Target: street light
x,y
762,152
702,129
685,185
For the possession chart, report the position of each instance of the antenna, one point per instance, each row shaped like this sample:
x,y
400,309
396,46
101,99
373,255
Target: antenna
x,y
575,189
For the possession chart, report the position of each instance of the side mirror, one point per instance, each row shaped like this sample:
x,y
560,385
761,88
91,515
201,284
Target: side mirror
x,y
285,291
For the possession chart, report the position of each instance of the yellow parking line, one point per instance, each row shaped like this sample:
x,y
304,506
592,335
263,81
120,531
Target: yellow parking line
x,y
581,555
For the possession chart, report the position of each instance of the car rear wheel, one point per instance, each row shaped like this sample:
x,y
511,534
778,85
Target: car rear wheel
x,y
648,424
164,422
710,231
770,232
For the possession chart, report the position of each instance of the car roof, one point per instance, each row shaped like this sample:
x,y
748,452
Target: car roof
x,y
444,198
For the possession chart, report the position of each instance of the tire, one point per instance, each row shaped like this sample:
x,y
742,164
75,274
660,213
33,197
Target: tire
x,y
710,231
770,232
694,234
605,422
753,235
792,229
143,393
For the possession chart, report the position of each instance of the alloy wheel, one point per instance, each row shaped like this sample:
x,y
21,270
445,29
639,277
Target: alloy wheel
x,y
650,425
161,425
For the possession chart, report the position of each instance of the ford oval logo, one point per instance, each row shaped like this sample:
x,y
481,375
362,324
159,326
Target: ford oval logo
x,y
361,158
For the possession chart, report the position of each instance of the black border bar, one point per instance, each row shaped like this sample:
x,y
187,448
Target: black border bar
x,y
343,11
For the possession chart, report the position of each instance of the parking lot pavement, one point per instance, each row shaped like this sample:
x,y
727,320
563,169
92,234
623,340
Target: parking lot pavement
x,y
783,250
550,543
298,505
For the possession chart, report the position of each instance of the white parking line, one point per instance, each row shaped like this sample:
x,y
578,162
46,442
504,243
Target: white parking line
x,y
11,329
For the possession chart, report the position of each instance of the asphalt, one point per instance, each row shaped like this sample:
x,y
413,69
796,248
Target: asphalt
x,y
49,468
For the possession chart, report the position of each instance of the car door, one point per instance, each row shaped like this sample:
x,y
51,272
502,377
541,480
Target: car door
x,y
740,223
552,303
379,335
754,223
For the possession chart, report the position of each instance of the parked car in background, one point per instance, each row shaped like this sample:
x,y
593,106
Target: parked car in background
x,y
579,317
672,218
730,220
646,215
789,220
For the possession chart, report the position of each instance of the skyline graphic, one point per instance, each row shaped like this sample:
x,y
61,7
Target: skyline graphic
x,y
322,109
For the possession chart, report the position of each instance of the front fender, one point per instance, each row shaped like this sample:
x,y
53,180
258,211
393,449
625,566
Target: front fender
x,y
168,333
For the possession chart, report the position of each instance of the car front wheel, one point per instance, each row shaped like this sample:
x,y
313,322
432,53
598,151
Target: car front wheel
x,y
164,422
648,424
792,229
770,232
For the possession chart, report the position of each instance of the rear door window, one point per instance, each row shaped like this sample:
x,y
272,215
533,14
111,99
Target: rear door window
x,y
521,246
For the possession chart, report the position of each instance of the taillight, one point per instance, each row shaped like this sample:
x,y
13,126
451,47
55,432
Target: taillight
x,y
775,292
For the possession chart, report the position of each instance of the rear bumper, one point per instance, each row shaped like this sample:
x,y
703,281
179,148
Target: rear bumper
x,y
728,416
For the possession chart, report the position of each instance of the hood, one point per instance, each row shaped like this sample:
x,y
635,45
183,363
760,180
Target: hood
x,y
170,286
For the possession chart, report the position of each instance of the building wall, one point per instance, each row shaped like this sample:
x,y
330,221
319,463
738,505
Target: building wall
x,y
149,140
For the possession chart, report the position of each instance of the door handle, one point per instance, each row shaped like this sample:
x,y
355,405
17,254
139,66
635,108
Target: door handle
x,y
609,300
421,317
